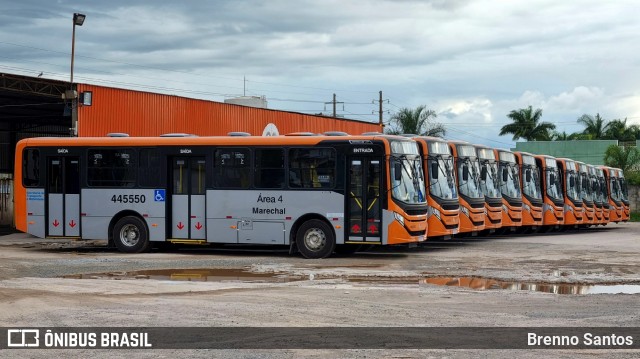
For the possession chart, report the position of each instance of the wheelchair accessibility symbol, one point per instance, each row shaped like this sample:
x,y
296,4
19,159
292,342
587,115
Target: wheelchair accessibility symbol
x,y
158,195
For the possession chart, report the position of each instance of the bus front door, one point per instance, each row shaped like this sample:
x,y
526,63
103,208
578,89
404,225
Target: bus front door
x,y
187,219
63,197
364,210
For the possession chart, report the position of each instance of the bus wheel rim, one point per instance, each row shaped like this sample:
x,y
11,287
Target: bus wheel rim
x,y
129,235
315,239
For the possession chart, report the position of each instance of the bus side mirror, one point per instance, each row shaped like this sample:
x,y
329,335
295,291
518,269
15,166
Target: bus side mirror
x,y
505,174
465,173
527,175
434,170
572,182
397,171
552,180
483,173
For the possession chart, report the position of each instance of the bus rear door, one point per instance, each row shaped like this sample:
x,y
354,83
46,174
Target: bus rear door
x,y
187,220
63,196
364,207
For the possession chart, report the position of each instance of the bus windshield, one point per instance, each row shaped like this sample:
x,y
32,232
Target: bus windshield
x,y
469,177
596,193
488,173
585,191
602,186
571,178
407,179
623,189
531,182
489,179
510,181
614,187
552,179
442,182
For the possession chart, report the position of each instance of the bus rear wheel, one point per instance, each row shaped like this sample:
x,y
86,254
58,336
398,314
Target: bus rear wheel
x,y
315,239
130,235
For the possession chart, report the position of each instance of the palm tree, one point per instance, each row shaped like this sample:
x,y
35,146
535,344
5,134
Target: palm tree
x,y
595,127
419,121
625,158
526,125
618,130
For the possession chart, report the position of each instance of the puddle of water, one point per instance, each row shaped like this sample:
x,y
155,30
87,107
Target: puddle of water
x,y
192,275
476,283
560,288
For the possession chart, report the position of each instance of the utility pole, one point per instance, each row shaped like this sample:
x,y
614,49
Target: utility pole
x,y
380,111
334,103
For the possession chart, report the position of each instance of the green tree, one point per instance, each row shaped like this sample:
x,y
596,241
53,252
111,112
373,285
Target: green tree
x,y
595,127
625,158
564,136
618,130
526,124
420,121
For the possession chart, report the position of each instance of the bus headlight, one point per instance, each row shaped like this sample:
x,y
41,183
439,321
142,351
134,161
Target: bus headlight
x,y
399,218
568,208
505,208
465,210
526,207
436,212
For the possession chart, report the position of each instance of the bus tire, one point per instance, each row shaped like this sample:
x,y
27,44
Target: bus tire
x,y
130,235
315,239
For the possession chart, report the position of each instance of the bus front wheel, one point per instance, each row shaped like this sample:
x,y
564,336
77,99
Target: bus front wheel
x,y
315,239
130,235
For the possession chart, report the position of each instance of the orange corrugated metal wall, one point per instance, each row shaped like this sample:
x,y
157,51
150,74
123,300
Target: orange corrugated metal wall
x,y
148,114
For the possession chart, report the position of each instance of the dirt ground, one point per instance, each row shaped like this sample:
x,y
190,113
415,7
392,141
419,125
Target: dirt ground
x,y
368,289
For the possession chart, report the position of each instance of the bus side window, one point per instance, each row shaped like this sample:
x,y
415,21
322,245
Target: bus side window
x,y
269,168
111,168
232,168
31,167
150,168
312,167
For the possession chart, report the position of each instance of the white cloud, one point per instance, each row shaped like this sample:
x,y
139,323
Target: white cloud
x,y
473,61
473,109
577,100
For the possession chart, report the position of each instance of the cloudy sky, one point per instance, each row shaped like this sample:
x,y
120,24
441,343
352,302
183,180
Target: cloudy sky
x,y
470,61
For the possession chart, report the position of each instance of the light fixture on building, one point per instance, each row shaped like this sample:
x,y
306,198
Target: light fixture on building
x,y
86,98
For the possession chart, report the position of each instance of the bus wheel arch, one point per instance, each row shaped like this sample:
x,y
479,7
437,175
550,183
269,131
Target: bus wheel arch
x,y
129,233
314,236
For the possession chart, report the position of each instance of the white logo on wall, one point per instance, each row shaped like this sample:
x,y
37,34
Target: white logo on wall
x,y
270,130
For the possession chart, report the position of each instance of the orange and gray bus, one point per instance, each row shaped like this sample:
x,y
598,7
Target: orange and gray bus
x,y
573,211
584,189
531,191
315,194
442,189
616,207
597,195
625,196
553,197
604,193
468,177
490,185
509,179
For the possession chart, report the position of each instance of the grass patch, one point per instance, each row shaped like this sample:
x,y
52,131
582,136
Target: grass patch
x,y
634,217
